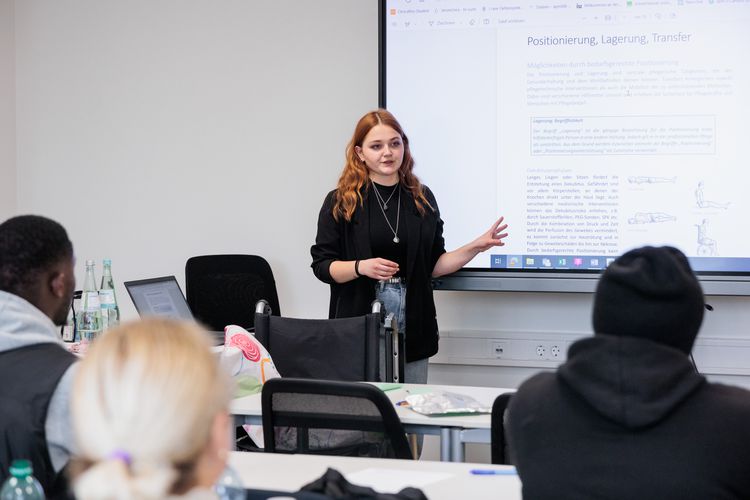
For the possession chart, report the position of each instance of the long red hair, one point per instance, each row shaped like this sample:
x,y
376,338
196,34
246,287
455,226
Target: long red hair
x,y
355,175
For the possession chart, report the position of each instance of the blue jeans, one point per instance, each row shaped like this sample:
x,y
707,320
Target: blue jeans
x,y
393,296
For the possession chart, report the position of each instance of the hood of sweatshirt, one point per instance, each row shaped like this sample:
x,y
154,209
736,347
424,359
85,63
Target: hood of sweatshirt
x,y
22,324
632,381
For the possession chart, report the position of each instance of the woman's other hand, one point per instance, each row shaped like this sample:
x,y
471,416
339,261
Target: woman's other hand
x,y
377,268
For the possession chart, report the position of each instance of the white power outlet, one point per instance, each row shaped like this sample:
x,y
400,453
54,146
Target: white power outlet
x,y
555,351
541,351
549,350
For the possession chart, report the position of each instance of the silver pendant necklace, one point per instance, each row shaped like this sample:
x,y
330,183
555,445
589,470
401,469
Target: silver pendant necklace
x,y
380,196
383,204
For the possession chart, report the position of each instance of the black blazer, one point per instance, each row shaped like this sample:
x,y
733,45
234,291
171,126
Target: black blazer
x,y
347,241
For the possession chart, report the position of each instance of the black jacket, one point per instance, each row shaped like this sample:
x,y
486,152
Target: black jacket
x,y
628,418
29,377
347,241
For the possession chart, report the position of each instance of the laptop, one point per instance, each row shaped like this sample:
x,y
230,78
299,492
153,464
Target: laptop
x,y
163,297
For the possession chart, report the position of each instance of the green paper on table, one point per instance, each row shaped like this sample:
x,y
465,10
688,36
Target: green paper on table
x,y
247,385
386,386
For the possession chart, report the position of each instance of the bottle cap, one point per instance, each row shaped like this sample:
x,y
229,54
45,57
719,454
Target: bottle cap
x,y
107,262
20,468
89,262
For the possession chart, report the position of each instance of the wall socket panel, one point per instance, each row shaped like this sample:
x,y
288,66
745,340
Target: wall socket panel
x,y
499,348
520,350
544,349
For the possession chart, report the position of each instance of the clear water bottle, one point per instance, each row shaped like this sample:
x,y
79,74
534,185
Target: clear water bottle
x,y
90,313
68,330
110,311
229,485
21,485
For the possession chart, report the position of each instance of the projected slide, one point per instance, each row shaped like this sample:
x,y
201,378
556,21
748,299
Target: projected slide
x,y
594,127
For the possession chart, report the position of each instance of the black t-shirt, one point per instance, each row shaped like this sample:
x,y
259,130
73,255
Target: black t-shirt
x,y
381,233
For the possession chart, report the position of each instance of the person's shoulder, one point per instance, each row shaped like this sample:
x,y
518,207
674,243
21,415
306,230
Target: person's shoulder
x,y
329,200
64,387
530,389
429,196
727,409
536,395
428,192
539,381
727,398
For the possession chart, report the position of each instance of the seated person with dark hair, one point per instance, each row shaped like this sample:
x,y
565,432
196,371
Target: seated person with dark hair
x,y
627,416
36,371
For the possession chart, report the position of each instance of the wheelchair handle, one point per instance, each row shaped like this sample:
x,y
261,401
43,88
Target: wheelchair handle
x,y
262,307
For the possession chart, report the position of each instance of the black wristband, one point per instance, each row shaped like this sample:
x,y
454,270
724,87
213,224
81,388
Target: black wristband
x,y
356,268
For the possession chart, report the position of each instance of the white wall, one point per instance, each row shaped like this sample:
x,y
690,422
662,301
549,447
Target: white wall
x,y
7,111
159,130
155,131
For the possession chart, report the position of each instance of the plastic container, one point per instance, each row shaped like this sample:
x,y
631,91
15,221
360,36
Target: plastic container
x,y
21,485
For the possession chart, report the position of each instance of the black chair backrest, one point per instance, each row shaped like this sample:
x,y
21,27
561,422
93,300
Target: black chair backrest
x,y
222,290
331,418
345,349
498,442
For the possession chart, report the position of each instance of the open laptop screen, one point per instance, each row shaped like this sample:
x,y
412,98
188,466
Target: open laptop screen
x,y
159,297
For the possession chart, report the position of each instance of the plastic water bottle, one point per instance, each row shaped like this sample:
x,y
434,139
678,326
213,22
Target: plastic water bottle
x,y
68,330
110,311
90,314
229,485
21,485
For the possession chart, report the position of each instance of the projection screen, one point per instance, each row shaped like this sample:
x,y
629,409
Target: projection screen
x,y
593,127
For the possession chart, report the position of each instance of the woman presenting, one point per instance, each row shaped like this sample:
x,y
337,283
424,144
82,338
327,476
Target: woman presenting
x,y
380,236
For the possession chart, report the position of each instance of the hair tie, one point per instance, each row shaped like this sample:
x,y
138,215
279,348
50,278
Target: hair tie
x,y
122,455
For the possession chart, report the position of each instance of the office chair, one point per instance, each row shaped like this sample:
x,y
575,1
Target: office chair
x,y
327,417
344,349
498,442
221,289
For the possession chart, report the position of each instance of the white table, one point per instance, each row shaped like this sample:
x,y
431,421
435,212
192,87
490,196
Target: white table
x,y
454,431
438,480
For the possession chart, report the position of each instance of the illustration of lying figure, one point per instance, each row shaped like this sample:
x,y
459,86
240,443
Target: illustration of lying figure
x,y
651,218
650,180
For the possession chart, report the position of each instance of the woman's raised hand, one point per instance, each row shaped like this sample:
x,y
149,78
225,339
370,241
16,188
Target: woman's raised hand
x,y
493,237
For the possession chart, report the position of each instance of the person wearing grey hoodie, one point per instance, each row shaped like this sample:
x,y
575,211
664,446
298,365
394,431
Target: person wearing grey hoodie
x,y
627,415
36,288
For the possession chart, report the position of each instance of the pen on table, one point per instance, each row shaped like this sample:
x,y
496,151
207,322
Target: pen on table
x,y
494,472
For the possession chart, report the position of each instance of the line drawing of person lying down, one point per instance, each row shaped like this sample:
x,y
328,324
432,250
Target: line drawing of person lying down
x,y
644,179
651,218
